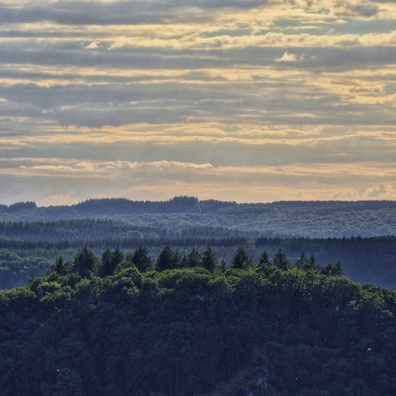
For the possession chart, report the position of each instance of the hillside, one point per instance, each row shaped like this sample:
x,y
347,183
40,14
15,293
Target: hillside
x,y
118,327
365,260
310,219
359,234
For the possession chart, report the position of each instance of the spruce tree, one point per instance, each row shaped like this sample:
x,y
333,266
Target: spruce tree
x,y
241,260
209,259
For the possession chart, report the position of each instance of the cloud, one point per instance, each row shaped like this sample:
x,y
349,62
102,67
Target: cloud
x,y
154,150
165,94
289,57
246,184
256,87
60,199
120,12
93,45
72,168
364,9
378,192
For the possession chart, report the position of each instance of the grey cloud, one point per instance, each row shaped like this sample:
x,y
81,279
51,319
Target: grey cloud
x,y
79,188
12,190
158,103
76,13
117,104
119,181
148,58
139,58
377,192
38,109
365,9
217,152
363,26
110,104
41,188
320,58
122,12
117,94
12,109
243,4
89,79
73,53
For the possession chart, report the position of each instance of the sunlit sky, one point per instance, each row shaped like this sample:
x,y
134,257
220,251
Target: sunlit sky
x,y
237,100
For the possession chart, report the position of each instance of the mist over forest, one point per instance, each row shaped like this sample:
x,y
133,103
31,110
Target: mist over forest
x,y
361,234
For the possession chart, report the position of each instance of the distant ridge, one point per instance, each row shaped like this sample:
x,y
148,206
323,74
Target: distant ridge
x,y
294,218
188,204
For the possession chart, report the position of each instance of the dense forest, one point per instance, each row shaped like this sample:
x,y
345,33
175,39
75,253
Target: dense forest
x,y
359,234
365,260
309,219
198,298
123,323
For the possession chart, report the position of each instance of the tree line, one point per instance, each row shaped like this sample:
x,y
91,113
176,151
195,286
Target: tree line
x,y
309,219
87,265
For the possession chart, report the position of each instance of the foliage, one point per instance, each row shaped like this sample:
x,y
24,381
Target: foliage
x,y
241,259
365,260
260,329
354,233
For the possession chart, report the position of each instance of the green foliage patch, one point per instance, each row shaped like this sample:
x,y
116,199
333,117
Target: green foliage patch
x,y
262,328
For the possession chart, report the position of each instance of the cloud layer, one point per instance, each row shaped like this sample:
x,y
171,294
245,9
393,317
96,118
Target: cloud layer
x,y
245,100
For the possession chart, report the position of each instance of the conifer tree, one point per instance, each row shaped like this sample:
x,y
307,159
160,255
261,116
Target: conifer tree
x,y
209,259
193,259
168,259
141,259
264,260
106,267
241,260
86,263
280,260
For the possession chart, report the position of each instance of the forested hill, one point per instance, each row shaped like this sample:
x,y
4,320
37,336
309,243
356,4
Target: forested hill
x,y
302,218
120,326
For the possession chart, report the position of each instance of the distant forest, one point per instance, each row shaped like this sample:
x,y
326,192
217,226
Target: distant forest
x,y
297,218
361,235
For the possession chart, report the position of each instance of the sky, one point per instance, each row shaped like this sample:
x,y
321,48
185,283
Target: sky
x,y
236,100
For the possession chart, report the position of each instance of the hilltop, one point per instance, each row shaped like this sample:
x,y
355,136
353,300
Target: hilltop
x,y
298,218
